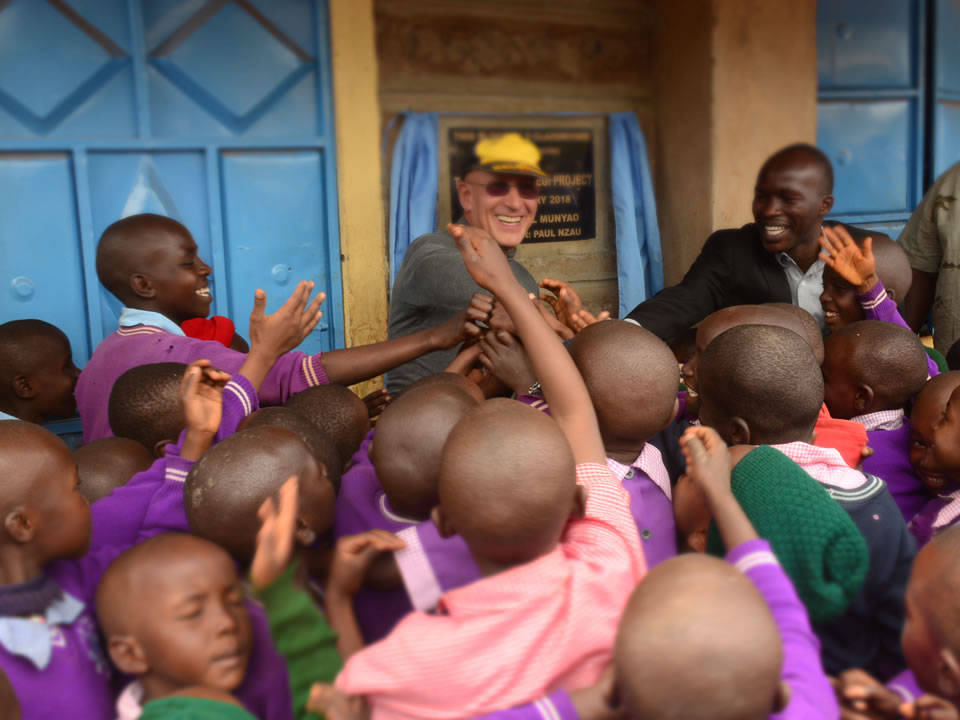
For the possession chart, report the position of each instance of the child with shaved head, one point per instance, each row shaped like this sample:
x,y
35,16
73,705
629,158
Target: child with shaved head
x,y
631,376
549,527
872,370
108,463
864,279
37,374
931,644
338,413
150,264
394,487
760,385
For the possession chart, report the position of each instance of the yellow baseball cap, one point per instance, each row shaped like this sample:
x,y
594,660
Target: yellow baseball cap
x,y
510,153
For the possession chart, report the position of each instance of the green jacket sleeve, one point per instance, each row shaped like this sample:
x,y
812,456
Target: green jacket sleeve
x,y
302,635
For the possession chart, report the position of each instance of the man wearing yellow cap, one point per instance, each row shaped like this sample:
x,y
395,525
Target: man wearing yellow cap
x,y
498,192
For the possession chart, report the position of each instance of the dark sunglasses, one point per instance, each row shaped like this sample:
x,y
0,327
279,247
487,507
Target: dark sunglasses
x,y
498,188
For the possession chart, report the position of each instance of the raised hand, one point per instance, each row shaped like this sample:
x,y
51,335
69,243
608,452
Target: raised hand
x,y
274,335
201,396
862,696
854,264
278,523
584,318
504,356
708,460
564,301
327,700
377,402
353,556
930,707
483,258
562,331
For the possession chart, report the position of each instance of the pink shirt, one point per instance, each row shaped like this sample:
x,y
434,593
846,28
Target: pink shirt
x,y
513,637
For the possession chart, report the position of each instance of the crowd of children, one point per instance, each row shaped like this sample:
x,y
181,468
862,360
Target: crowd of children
x,y
563,524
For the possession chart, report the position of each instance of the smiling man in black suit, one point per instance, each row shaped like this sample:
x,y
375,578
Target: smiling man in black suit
x,y
773,259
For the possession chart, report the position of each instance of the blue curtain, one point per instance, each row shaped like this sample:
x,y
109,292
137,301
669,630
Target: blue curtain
x,y
413,185
639,258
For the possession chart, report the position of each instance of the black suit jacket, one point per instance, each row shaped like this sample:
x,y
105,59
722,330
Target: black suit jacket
x,y
732,269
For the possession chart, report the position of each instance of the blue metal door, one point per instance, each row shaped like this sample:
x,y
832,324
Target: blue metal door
x,y
946,86
214,112
870,110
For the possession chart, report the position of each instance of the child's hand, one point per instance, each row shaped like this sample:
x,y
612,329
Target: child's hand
x,y
708,460
275,539
585,318
505,357
478,313
598,701
201,395
564,301
862,696
377,402
274,335
500,320
562,331
483,258
354,555
331,702
930,707
465,361
855,265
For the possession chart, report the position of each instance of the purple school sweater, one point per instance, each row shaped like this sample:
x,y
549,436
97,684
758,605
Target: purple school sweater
x,y
891,460
152,502
361,506
118,518
905,685
877,305
129,347
811,696
647,482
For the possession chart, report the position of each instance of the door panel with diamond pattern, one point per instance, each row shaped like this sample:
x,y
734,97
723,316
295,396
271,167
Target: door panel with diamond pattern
x,y
214,112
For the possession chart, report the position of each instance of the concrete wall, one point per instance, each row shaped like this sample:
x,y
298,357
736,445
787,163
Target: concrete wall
x,y
717,85
518,57
736,80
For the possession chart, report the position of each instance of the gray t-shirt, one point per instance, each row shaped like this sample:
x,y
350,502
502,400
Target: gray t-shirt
x,y
431,286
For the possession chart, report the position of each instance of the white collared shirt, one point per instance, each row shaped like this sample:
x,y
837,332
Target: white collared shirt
x,y
805,287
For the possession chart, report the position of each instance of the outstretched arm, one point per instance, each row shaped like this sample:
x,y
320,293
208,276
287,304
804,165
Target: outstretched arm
x,y
559,377
356,364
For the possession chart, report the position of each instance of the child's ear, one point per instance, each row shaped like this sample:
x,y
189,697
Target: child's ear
x,y
579,509
863,399
160,447
304,535
948,674
23,388
127,654
18,525
444,526
739,431
674,413
782,698
142,286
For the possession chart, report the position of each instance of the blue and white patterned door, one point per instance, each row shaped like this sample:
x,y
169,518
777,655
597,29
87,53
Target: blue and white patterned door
x,y
214,112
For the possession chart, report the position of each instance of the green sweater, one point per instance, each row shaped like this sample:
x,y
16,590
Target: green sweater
x,y
302,636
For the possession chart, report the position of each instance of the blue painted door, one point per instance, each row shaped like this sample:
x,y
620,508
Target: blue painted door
x,y
214,112
946,86
870,117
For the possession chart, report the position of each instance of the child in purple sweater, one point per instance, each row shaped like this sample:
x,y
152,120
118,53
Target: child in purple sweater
x,y
394,487
931,644
109,463
871,371
150,264
693,613
37,374
939,460
863,283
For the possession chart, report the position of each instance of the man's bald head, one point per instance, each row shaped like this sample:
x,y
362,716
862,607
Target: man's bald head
x,y
802,155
